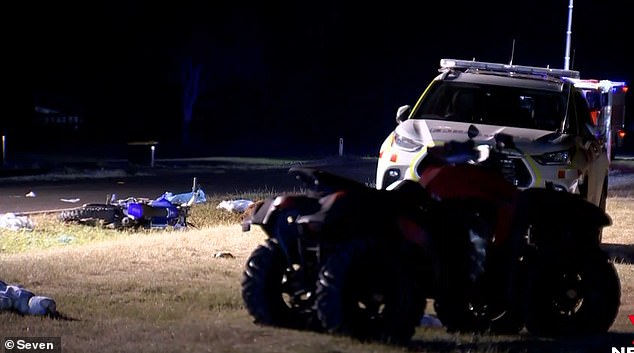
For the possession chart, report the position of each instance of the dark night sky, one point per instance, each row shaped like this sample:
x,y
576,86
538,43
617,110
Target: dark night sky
x,y
292,77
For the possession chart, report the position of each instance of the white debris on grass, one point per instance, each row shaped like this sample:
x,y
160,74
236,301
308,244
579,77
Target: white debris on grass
x,y
238,206
224,255
66,239
200,197
12,221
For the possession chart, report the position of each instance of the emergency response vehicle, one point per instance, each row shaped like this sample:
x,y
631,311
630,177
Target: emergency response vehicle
x,y
542,108
606,101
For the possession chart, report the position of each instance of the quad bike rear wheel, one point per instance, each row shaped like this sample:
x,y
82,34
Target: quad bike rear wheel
x,y
91,213
272,290
577,298
365,294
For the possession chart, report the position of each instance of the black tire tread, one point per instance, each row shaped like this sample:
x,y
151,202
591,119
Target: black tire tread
x,y
339,280
598,310
92,212
262,289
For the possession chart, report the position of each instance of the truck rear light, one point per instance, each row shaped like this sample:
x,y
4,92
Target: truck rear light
x,y
621,133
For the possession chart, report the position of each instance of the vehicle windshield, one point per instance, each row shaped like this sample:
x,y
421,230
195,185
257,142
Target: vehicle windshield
x,y
493,105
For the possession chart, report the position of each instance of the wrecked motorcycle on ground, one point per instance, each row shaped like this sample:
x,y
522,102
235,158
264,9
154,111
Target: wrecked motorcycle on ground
x,y
139,213
343,218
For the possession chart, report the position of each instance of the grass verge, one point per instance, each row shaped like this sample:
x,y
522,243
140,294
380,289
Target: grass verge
x,y
162,291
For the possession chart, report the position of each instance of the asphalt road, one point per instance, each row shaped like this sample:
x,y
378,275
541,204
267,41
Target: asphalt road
x,y
48,193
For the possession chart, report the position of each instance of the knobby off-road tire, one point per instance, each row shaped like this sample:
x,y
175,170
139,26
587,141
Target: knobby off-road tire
x,y
366,292
266,292
573,299
90,213
492,305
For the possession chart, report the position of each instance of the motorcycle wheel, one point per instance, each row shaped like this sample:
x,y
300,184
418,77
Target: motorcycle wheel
x,y
579,298
366,295
90,213
270,294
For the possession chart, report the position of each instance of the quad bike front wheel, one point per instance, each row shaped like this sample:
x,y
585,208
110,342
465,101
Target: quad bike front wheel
x,y
577,298
273,293
366,294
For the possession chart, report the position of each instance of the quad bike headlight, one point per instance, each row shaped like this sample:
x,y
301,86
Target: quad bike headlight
x,y
406,143
555,158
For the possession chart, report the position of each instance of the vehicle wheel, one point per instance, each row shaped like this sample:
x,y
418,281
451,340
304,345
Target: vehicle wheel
x,y
90,213
582,297
474,279
367,293
474,318
270,293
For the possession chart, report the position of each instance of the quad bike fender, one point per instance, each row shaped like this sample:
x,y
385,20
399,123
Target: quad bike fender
x,y
328,211
414,232
542,205
559,217
257,213
263,212
468,181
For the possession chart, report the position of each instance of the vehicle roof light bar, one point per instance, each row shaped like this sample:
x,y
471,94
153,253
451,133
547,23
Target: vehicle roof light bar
x,y
602,85
446,64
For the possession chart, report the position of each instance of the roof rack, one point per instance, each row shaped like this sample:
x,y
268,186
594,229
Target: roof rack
x,y
446,64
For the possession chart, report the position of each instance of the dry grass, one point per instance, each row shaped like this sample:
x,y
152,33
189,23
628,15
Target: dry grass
x,y
166,292
621,231
152,292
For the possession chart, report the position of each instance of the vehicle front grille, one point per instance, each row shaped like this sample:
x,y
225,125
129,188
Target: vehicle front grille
x,y
515,171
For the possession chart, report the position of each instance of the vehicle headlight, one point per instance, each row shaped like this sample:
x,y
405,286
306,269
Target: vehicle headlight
x,y
406,143
555,158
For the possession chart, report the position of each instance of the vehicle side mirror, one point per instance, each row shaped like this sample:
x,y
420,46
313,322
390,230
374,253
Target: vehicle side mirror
x,y
402,113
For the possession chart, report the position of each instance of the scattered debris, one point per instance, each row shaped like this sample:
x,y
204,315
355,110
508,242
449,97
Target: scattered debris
x,y
224,255
75,200
200,197
13,222
30,194
25,302
65,238
238,206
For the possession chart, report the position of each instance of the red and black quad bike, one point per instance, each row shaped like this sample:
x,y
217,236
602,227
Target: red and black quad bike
x,y
300,278
534,256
